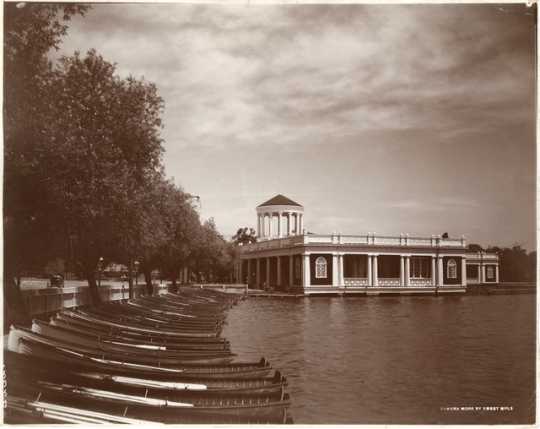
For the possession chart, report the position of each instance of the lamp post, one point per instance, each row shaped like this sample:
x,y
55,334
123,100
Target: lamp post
x,y
100,268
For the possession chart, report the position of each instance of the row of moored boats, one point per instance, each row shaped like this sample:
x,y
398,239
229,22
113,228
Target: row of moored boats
x,y
153,359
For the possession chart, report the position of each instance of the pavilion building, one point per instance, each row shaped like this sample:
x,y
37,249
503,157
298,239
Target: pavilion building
x,y
287,258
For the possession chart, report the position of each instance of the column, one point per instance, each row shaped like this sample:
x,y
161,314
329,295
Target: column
x,y
296,223
301,223
258,225
278,264
341,272
483,273
306,270
433,272
407,270
279,228
480,273
497,273
463,271
268,272
239,271
375,271
248,271
291,270
440,268
335,268
289,223
402,270
258,274
369,271
270,218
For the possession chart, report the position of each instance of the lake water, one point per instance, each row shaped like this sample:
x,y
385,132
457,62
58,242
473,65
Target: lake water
x,y
396,359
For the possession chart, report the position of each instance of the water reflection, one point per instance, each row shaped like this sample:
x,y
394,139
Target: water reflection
x,y
395,360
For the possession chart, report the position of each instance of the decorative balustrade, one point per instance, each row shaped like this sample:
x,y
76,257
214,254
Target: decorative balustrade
x,y
356,281
366,240
420,282
482,257
385,282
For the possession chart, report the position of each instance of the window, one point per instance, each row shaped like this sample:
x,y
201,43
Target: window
x,y
451,269
472,272
321,268
490,272
420,267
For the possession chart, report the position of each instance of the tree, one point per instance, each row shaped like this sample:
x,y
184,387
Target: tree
x,y
245,236
31,30
181,225
515,265
473,247
100,147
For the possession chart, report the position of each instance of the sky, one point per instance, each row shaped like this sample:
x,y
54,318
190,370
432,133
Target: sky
x,y
391,119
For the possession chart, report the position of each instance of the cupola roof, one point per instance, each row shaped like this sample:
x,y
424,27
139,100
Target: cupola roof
x,y
279,200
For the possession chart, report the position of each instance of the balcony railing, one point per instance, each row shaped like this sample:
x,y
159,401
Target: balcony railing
x,y
482,257
402,240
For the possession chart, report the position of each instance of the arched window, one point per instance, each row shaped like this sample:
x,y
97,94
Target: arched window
x,y
321,268
451,269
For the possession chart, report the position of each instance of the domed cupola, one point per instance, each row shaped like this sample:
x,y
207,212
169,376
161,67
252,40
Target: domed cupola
x,y
279,217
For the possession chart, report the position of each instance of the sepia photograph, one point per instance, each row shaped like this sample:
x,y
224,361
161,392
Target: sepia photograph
x,y
269,213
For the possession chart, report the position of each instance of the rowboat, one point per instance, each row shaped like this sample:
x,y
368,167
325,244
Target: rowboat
x,y
219,344
153,359
131,328
21,368
20,410
107,352
77,359
155,320
113,345
253,409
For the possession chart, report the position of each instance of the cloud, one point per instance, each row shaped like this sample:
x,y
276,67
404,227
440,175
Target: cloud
x,y
400,117
304,74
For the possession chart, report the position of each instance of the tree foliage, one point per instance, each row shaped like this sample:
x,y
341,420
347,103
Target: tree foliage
x,y
31,30
84,177
245,235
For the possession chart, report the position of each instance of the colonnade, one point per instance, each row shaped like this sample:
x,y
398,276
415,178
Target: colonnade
x,y
338,277
289,223
254,266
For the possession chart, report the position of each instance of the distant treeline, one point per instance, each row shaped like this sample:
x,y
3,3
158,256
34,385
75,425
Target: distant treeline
x,y
515,264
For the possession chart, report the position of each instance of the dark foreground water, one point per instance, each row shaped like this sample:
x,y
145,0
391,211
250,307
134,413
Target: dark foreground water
x,y
396,360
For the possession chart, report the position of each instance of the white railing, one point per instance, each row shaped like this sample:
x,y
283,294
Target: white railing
x,y
482,257
402,240
356,281
420,282
388,282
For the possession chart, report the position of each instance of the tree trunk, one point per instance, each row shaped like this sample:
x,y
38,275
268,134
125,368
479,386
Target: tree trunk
x,y
93,288
174,285
148,280
130,281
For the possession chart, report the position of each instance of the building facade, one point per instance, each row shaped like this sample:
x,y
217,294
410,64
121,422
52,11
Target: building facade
x,y
287,258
